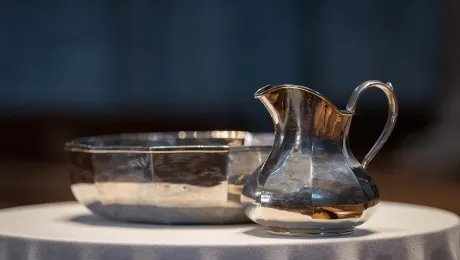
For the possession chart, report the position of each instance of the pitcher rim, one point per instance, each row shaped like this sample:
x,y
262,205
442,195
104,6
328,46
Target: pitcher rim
x,y
269,88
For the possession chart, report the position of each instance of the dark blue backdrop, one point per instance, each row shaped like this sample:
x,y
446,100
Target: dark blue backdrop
x,y
209,57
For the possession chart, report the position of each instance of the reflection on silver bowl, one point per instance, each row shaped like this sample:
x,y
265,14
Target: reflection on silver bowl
x,y
168,178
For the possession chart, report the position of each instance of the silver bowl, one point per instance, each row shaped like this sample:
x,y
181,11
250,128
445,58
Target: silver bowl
x,y
166,178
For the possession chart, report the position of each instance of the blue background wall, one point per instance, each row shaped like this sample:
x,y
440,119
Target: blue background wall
x,y
209,57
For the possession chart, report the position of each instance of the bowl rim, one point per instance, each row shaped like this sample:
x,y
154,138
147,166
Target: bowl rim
x,y
82,144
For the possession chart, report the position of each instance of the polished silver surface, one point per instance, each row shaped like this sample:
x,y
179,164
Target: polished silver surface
x,y
311,184
168,178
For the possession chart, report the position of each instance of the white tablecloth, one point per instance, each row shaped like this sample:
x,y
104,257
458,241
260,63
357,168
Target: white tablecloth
x,y
69,231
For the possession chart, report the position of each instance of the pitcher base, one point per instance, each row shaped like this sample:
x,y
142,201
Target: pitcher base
x,y
308,232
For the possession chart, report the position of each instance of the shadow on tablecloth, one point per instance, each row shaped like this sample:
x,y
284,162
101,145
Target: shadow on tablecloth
x,y
260,232
95,220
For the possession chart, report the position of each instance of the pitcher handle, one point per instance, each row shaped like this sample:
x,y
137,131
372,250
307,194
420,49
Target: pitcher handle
x,y
387,88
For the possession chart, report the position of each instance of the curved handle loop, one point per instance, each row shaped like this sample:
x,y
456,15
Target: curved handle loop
x,y
387,88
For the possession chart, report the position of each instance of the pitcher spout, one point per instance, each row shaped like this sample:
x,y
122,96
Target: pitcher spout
x,y
260,92
270,93
297,110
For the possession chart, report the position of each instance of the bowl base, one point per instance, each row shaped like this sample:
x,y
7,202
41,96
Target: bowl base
x,y
318,232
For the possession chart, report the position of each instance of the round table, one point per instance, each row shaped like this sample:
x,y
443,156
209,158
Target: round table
x,y
69,231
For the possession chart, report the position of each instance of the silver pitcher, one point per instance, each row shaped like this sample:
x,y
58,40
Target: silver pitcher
x,y
311,184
